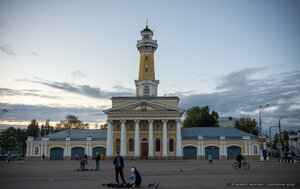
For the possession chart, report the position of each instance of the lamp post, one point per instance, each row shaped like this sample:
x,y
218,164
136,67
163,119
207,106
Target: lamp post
x,y
279,136
261,108
270,136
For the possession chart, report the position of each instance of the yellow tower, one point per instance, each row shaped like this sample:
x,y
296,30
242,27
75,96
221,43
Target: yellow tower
x,y
146,85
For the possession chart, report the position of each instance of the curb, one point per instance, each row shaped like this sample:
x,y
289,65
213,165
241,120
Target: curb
x,y
288,160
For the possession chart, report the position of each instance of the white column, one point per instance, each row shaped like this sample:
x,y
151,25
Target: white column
x,y
178,138
109,140
123,138
27,149
246,149
66,149
165,140
42,148
45,149
150,144
137,148
249,148
31,150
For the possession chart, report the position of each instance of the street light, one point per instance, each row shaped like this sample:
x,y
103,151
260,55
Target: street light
x,y
279,137
270,136
261,108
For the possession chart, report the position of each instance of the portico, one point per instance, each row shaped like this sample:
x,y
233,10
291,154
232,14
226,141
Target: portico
x,y
145,138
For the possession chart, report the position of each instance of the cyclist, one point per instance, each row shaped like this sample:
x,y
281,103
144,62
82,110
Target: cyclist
x,y
239,158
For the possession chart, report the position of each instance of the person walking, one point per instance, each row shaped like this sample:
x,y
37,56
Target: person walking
x,y
119,165
83,161
43,157
209,158
97,158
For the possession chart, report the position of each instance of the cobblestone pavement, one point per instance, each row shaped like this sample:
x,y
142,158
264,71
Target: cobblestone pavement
x,y
184,174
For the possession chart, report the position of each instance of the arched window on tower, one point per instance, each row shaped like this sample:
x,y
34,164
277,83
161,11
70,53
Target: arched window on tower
x,y
131,145
171,145
146,90
146,68
157,145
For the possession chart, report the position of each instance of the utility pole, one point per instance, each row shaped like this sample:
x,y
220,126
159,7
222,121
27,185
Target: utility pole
x,y
279,136
263,145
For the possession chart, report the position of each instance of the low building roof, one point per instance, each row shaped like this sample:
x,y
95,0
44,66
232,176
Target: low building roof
x,y
78,134
214,133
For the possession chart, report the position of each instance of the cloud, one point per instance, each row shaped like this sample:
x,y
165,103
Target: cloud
x,y
34,53
86,90
241,93
26,92
69,87
77,74
22,112
7,49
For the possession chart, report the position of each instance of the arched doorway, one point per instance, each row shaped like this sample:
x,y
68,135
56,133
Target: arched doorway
x,y
189,152
77,150
144,148
99,149
56,153
213,150
233,151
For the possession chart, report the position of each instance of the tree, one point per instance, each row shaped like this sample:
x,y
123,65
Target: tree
x,y
71,122
201,117
247,124
104,126
33,128
46,129
13,139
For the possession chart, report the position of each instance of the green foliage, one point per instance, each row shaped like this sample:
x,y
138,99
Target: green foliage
x,y
33,128
201,117
13,139
46,129
247,124
71,122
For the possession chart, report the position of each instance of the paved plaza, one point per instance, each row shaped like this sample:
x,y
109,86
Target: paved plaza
x,y
169,174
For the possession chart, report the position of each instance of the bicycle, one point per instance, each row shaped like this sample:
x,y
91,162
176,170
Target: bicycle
x,y
245,165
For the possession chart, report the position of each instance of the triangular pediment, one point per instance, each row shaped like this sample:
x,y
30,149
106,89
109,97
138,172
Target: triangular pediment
x,y
142,105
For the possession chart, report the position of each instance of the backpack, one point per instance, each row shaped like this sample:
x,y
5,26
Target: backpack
x,y
138,178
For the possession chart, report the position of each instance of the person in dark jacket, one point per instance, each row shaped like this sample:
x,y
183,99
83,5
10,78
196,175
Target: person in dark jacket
x,y
239,158
97,158
119,165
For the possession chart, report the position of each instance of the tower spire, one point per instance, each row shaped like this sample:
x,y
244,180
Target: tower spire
x,y
146,85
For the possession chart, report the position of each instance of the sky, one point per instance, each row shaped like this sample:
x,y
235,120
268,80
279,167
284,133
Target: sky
x,y
71,56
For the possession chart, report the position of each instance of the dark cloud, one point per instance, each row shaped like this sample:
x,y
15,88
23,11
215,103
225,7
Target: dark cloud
x,y
86,90
69,87
7,49
26,92
242,92
28,112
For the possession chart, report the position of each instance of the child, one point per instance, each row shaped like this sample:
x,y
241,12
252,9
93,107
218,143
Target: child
x,y
83,161
132,177
135,177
